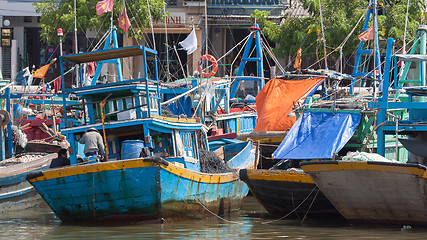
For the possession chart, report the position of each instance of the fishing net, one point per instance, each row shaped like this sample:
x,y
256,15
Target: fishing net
x,y
211,163
167,113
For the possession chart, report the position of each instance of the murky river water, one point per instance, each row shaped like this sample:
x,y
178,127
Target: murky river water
x,y
251,222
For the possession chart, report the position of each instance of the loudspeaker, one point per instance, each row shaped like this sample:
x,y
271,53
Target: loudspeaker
x,y
4,118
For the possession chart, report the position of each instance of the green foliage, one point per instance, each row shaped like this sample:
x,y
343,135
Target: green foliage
x,y
339,18
56,15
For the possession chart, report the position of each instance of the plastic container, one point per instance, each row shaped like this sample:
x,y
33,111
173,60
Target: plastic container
x,y
131,149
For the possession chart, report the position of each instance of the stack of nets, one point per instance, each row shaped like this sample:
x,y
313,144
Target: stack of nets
x,y
166,112
211,163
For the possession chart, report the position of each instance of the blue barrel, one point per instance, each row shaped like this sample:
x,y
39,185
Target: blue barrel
x,y
131,149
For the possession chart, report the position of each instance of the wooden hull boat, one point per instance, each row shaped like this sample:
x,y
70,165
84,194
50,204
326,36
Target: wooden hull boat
x,y
283,192
382,192
15,192
143,189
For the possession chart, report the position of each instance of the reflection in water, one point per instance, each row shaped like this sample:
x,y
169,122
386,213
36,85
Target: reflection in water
x,y
249,223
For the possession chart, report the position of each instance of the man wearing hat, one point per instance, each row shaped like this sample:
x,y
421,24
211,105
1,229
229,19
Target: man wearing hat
x,y
93,143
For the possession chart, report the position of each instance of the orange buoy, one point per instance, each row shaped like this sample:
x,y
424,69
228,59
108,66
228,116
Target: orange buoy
x,y
214,65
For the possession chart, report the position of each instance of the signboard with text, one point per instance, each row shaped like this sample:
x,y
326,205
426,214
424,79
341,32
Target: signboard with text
x,y
246,7
6,37
173,20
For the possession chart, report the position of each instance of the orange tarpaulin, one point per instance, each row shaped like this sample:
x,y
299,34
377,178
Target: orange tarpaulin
x,y
277,99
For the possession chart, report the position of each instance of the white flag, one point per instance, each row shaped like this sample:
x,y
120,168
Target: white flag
x,y
29,75
190,43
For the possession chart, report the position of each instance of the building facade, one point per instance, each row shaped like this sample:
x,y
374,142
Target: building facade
x,y
228,22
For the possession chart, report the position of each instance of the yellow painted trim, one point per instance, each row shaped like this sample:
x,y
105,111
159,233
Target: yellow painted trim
x,y
362,166
188,120
238,125
137,163
279,175
92,168
265,140
201,177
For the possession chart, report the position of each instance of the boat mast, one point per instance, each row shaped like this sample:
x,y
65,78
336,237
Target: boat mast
x,y
75,41
151,25
323,35
166,45
206,27
375,51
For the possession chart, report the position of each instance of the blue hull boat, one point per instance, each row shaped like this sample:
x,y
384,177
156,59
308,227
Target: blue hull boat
x,y
156,167
143,189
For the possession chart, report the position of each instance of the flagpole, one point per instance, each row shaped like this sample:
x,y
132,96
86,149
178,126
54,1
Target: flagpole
x,y
111,19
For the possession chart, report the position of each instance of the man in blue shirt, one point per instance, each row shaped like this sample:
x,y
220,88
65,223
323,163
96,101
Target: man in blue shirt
x,y
61,160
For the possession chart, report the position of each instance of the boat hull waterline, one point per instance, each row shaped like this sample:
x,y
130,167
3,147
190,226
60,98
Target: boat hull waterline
x,y
379,192
283,192
15,192
138,190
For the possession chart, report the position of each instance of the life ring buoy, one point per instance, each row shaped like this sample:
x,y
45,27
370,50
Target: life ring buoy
x,y
214,65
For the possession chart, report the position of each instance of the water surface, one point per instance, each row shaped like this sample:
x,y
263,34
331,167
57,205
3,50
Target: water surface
x,y
252,222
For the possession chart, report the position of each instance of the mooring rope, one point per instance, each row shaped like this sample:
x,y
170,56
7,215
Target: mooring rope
x,y
299,205
209,211
311,204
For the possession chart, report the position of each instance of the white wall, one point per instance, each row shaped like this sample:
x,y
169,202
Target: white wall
x,y
18,8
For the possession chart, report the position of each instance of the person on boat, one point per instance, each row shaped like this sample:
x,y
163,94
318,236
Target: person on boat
x,y
61,160
93,142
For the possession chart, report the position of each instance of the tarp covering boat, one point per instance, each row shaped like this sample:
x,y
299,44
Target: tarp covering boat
x,y
415,147
277,99
318,135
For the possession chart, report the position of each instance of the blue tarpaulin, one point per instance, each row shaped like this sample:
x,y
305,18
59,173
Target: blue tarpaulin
x,y
317,135
180,106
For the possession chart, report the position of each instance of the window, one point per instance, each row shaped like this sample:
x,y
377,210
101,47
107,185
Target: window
x,y
189,143
171,2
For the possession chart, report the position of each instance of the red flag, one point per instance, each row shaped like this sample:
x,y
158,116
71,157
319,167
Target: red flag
x,y
369,34
124,22
104,6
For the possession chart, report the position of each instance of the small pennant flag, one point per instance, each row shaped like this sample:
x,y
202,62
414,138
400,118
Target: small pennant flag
x,y
298,59
124,22
104,6
367,35
41,72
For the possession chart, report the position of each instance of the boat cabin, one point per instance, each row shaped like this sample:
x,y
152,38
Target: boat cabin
x,y
128,113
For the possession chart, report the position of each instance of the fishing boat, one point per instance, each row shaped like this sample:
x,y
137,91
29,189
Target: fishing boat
x,y
15,192
287,190
326,129
225,104
156,167
381,188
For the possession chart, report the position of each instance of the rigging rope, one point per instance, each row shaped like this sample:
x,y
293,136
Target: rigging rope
x,y
345,40
151,24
